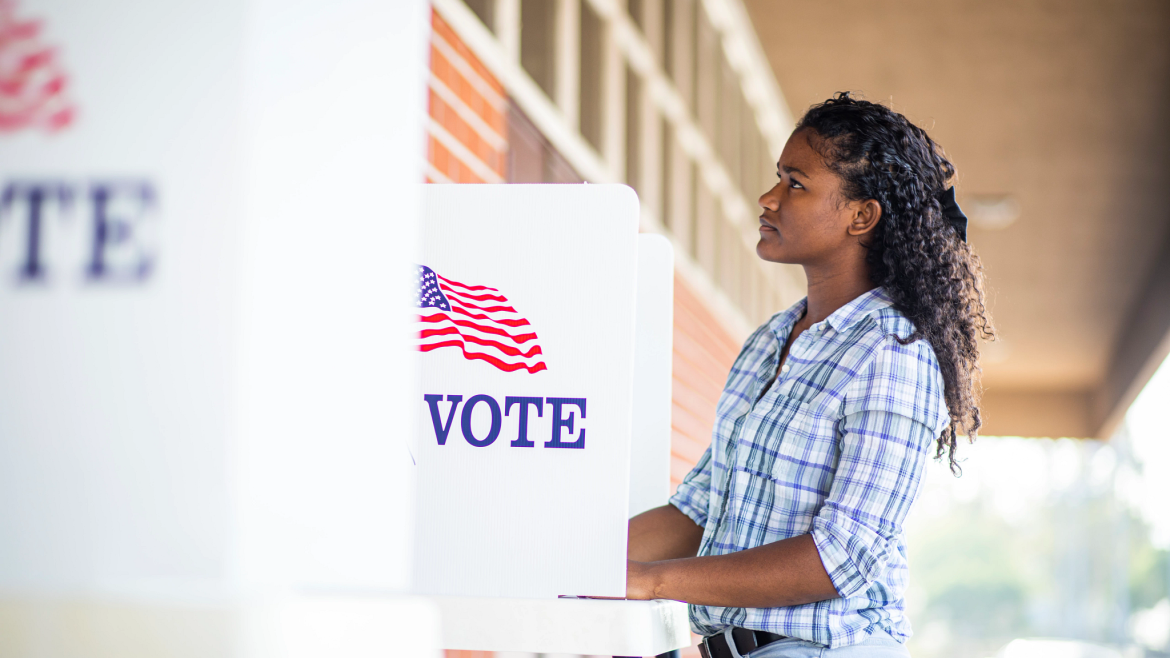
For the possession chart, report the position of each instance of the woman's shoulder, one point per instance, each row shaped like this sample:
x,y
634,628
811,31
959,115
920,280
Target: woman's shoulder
x,y
895,350
900,375
889,331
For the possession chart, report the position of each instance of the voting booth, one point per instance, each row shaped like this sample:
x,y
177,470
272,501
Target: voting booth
x,y
207,212
544,346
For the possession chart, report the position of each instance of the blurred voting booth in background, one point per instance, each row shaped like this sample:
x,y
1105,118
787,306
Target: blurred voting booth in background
x,y
545,326
213,440
207,211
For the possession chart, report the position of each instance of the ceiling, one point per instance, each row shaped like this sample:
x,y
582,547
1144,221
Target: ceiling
x,y
1065,106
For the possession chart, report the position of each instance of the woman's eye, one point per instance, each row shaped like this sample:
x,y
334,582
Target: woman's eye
x,y
791,182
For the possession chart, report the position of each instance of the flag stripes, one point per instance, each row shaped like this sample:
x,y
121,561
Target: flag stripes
x,y
478,320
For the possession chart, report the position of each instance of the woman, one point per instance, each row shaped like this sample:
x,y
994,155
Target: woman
x,y
795,512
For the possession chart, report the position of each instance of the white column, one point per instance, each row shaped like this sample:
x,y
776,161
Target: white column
x,y
568,49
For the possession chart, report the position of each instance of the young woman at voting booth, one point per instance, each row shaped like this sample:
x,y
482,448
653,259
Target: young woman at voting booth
x,y
787,537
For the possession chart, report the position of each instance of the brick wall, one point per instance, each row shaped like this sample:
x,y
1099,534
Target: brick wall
x,y
703,354
468,114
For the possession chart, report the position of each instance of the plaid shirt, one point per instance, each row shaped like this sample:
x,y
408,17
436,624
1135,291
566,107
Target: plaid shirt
x,y
836,448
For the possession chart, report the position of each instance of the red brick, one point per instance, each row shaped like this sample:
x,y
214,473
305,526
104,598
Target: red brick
x,y
679,468
703,355
705,333
444,30
449,165
695,394
687,304
698,355
688,447
468,94
695,423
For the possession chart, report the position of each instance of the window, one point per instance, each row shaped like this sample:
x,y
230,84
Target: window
x,y
486,10
679,60
678,194
668,39
633,129
590,109
538,54
729,260
706,226
752,143
637,11
531,159
707,56
728,137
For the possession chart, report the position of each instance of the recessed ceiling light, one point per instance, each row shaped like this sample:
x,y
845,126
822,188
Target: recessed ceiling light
x,y
992,211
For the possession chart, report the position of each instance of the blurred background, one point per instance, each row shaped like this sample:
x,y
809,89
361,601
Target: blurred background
x,y
1055,114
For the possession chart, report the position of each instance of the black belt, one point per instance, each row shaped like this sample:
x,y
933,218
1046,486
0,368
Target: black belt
x,y
715,646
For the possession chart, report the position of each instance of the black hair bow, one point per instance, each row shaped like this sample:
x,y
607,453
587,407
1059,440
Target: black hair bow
x,y
952,213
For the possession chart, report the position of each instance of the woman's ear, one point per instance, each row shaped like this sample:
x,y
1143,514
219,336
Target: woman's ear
x,y
865,217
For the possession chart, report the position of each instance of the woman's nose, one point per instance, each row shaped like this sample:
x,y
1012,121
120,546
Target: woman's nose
x,y
770,200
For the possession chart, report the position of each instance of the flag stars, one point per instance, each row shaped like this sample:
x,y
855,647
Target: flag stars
x,y
429,295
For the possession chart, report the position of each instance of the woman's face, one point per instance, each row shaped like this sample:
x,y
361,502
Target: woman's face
x,y
806,219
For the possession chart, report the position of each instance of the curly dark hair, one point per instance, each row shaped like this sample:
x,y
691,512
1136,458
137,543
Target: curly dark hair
x,y
928,270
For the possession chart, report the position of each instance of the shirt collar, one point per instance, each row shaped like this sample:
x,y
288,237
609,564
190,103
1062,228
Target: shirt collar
x,y
861,307
782,322
841,319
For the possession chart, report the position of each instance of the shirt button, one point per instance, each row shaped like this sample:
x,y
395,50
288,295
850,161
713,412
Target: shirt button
x,y
784,368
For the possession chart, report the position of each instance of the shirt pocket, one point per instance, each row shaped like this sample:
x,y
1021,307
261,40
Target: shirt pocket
x,y
784,469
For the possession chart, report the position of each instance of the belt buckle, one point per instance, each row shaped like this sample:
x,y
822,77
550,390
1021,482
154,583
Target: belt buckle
x,y
744,639
716,646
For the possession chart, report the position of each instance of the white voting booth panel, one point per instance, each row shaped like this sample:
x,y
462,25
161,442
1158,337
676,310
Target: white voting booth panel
x,y
536,295
205,381
653,360
527,294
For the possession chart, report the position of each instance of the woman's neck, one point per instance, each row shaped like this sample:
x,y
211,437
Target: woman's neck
x,y
831,288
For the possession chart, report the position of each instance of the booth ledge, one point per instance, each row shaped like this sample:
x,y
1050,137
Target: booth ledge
x,y
581,626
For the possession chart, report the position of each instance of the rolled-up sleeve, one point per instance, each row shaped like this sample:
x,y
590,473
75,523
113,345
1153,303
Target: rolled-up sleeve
x,y
889,423
695,491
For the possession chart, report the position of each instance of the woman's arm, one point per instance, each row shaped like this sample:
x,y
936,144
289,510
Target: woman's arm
x,y
884,447
783,573
663,533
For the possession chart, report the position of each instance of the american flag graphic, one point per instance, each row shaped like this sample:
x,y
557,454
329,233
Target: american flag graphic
x,y
476,319
33,85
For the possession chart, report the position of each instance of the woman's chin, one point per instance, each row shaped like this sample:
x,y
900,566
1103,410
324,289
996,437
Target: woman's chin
x,y
767,250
